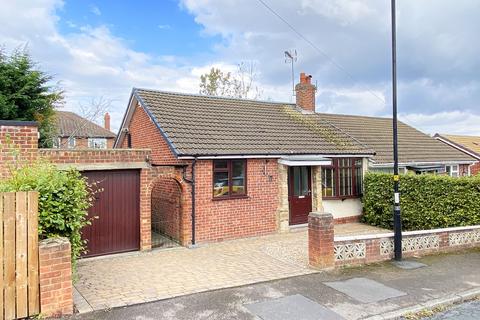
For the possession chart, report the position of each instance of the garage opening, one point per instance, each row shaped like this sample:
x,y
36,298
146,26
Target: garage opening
x,y
166,213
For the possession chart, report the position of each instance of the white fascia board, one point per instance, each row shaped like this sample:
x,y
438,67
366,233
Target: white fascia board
x,y
297,163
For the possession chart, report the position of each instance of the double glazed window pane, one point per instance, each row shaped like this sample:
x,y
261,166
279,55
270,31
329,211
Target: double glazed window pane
x,y
328,182
300,181
220,184
238,177
229,178
345,177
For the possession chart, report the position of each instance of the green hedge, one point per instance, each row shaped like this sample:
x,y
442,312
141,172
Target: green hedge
x,y
427,201
64,198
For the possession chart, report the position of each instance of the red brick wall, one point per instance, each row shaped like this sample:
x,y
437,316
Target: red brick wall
x,y
167,208
463,170
56,289
144,134
236,218
326,250
18,145
305,93
475,169
94,156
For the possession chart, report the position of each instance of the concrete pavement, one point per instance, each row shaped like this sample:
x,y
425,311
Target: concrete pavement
x,y
445,279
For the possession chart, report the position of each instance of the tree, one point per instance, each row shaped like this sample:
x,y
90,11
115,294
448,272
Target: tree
x,y
25,93
240,84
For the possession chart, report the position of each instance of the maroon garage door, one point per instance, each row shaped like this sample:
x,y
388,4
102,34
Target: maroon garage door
x,y
117,207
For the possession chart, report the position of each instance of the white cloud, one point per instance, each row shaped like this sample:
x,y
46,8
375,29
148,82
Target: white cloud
x,y
437,50
90,62
95,10
164,26
438,62
449,122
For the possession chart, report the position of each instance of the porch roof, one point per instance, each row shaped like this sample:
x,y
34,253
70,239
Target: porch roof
x,y
313,160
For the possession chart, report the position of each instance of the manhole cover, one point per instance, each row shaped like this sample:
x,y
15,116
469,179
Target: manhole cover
x,y
295,307
365,290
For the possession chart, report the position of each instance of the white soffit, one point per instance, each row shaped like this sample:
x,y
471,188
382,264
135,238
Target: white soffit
x,y
295,161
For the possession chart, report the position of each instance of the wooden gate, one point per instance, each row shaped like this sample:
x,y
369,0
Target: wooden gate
x,y
19,294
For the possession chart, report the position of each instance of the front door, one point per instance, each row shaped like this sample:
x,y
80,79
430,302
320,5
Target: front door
x,y
299,194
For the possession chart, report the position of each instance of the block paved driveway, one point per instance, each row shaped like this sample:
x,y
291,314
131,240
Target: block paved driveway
x,y
127,279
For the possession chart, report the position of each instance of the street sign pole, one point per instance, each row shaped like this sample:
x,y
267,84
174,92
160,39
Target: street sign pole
x,y
397,219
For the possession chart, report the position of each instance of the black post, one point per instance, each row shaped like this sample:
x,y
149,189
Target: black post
x,y
397,218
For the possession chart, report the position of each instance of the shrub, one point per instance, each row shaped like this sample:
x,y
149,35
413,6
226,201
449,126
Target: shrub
x,y
64,198
427,201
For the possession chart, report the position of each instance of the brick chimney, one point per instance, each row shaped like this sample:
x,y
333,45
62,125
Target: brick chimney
x,y
106,121
305,93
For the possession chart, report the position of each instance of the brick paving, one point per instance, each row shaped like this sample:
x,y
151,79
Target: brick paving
x,y
128,279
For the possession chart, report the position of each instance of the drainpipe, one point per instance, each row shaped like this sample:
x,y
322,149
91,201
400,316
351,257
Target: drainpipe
x,y
192,184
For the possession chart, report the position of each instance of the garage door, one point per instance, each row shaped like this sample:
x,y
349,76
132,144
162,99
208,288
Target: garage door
x,y
117,207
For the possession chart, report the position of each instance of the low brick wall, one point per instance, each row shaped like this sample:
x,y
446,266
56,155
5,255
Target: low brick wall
x,y
327,251
56,288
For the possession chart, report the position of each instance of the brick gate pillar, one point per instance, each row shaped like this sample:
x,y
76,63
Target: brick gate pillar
x,y
320,240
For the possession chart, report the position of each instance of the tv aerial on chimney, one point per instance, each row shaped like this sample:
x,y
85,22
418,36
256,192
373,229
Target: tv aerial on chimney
x,y
291,57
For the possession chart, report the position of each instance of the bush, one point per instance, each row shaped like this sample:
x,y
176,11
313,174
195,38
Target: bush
x,y
427,201
64,198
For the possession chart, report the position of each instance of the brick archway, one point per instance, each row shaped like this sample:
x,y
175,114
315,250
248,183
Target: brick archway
x,y
166,207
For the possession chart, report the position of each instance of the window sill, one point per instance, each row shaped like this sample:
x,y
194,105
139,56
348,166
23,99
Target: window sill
x,y
341,197
230,198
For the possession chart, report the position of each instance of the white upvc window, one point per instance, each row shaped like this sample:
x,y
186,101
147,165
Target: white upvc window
x,y
452,170
97,143
71,142
57,141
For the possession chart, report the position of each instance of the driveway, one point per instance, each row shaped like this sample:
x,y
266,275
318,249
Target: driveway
x,y
127,279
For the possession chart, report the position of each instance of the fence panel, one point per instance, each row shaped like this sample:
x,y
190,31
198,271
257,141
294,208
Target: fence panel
x,y
19,297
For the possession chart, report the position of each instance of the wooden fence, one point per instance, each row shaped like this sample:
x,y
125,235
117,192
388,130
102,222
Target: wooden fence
x,y
19,294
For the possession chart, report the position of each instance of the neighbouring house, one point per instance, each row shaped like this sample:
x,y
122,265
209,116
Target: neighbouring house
x,y
257,167
76,132
417,151
469,145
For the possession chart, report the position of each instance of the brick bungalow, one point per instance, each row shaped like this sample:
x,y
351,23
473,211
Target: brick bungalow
x,y
254,167
470,145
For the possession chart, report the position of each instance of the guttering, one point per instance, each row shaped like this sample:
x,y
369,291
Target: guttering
x,y
276,156
192,184
404,164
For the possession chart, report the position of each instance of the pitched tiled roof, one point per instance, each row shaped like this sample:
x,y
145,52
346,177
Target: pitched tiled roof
x,y
69,124
413,146
469,143
204,125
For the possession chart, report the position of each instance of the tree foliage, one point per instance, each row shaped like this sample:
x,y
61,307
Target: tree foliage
x,y
240,84
26,95
427,201
64,198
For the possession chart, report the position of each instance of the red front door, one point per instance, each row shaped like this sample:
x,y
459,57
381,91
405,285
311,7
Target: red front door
x,y
299,194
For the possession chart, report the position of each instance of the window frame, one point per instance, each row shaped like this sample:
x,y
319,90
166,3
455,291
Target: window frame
x,y
92,141
71,143
451,172
229,171
336,179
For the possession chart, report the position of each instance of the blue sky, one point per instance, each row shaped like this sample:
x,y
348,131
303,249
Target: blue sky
x,y
101,49
162,28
